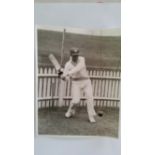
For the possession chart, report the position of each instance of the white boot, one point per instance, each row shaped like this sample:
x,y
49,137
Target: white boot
x,y
92,119
70,113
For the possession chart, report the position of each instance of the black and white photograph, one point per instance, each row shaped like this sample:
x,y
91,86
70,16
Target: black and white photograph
x,y
77,78
78,81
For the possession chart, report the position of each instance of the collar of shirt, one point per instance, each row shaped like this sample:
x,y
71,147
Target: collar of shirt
x,y
73,63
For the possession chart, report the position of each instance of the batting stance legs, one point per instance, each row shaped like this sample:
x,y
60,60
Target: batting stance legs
x,y
77,87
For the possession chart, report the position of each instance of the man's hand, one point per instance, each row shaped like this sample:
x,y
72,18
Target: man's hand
x,y
60,72
65,77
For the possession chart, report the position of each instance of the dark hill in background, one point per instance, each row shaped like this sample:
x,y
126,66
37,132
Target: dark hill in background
x,y
99,51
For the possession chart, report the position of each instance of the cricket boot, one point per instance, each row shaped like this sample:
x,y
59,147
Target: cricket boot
x,y
71,111
92,119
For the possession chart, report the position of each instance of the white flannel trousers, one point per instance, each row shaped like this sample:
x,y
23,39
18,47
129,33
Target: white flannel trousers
x,y
77,88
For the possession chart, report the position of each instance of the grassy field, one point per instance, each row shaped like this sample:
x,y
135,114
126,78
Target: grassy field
x,y
52,122
99,51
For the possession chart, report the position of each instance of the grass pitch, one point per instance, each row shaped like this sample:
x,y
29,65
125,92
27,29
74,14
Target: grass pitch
x,y
53,122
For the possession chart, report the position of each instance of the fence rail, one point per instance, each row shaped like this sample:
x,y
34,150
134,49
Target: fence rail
x,y
105,83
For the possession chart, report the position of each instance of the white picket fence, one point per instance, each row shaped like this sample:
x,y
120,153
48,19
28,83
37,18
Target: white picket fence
x,y
105,83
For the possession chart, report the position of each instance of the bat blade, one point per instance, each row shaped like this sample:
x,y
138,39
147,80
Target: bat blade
x,y
54,62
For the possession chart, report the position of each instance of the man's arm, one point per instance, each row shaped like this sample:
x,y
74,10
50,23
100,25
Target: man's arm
x,y
65,72
78,67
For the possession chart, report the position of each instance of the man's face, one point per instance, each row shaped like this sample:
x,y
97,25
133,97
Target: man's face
x,y
75,58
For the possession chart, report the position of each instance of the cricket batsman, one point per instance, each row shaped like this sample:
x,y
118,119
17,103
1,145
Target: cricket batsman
x,y
75,70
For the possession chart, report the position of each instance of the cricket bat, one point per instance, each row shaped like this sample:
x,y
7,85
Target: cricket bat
x,y
54,62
